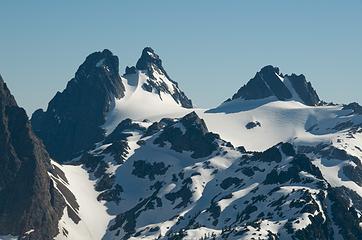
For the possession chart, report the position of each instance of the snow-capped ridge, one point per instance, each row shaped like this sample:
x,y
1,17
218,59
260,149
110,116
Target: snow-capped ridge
x,y
158,81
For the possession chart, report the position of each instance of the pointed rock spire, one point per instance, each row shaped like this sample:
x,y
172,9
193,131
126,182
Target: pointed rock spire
x,y
71,123
147,58
158,80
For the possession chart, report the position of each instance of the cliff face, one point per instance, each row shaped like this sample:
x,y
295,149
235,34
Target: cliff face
x,y
30,206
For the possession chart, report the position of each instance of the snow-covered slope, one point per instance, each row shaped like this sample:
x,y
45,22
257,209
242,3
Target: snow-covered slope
x,y
173,178
279,121
149,93
272,162
139,104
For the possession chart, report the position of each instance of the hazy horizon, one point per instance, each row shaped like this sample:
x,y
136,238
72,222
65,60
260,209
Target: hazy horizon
x,y
211,49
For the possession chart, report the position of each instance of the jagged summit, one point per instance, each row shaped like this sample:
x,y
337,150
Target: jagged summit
x,y
100,70
270,82
71,122
148,57
74,119
158,81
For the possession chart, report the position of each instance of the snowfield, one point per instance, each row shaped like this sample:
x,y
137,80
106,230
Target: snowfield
x,y
149,206
272,162
93,214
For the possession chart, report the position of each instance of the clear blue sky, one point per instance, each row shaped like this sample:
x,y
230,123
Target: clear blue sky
x,y
210,47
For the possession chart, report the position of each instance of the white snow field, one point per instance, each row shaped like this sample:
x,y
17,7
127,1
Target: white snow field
x,y
93,214
279,121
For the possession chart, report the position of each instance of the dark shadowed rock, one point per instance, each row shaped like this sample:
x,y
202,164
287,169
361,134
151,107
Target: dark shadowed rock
x,y
355,107
271,155
119,134
28,198
344,214
71,123
143,169
265,84
288,149
304,89
269,82
251,125
189,134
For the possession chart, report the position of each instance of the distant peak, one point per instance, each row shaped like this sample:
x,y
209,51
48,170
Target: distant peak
x,y
149,51
158,80
104,59
269,81
269,68
149,57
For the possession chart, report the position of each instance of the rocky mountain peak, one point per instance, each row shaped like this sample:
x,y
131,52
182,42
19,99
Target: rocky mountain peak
x,y
158,80
148,57
100,70
269,69
269,81
71,123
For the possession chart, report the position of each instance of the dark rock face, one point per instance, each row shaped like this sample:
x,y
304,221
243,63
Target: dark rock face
x,y
271,155
28,198
251,125
71,122
300,162
195,138
143,169
149,58
304,89
345,215
288,149
266,83
119,134
151,63
355,107
353,173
